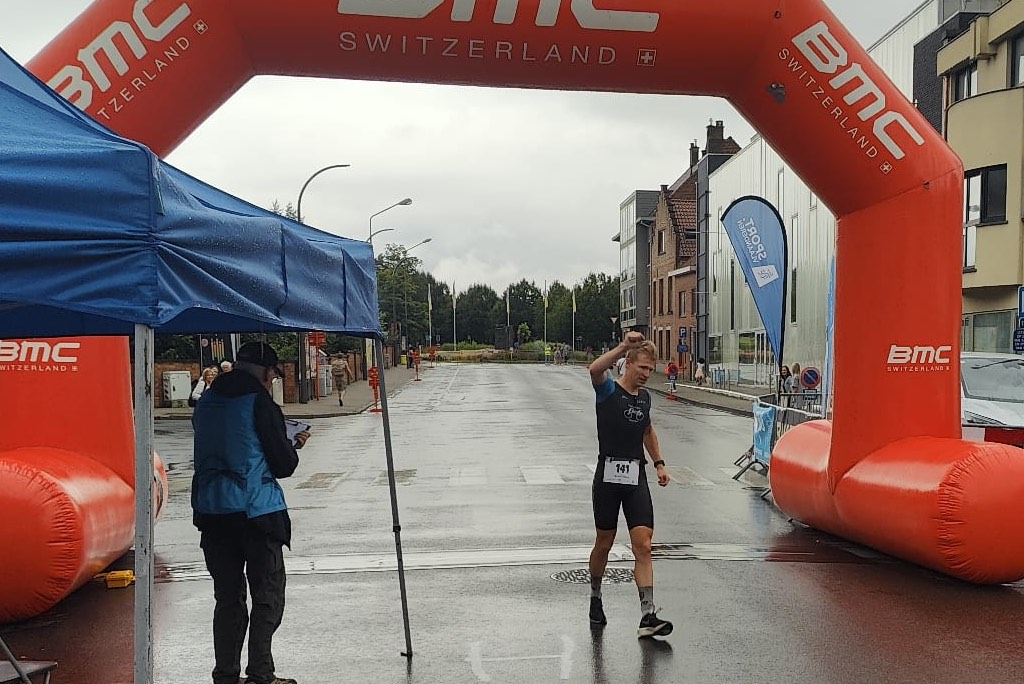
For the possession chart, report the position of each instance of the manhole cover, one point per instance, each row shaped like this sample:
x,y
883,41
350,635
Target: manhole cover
x,y
582,576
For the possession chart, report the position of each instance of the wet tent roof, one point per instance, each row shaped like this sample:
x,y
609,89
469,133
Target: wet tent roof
x,y
98,234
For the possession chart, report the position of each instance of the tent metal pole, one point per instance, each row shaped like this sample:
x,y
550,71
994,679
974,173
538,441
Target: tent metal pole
x,y
396,526
143,398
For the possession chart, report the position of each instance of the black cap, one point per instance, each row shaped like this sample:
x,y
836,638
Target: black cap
x,y
260,353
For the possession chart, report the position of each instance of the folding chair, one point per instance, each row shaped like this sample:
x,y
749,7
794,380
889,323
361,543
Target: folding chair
x,y
15,670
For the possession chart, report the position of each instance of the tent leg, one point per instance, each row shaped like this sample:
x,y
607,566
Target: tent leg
x,y
396,526
143,356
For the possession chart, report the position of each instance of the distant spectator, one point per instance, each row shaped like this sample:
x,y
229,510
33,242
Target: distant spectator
x,y
342,375
204,381
787,383
225,366
672,372
700,374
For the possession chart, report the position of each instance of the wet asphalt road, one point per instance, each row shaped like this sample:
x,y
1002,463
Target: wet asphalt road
x,y
494,466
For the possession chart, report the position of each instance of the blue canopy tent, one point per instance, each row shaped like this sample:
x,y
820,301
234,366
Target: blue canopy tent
x,y
98,236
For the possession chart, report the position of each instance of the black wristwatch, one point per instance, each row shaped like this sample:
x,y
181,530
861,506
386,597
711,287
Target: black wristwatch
x,y
659,462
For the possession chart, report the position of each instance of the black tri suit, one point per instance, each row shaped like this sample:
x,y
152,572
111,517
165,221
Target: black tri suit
x,y
622,420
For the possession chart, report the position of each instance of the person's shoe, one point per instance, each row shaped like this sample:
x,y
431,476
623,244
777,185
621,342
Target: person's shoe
x,y
651,625
341,403
597,618
275,680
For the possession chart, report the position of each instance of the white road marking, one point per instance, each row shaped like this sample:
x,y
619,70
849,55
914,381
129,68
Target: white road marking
x,y
541,475
686,476
476,660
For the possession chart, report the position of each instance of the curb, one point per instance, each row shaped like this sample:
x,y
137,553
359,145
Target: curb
x,y
707,404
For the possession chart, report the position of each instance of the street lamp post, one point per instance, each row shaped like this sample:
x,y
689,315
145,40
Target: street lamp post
x,y
371,349
379,230
405,283
300,365
298,205
401,203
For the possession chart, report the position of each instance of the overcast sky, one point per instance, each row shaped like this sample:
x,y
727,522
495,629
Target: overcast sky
x,y
509,184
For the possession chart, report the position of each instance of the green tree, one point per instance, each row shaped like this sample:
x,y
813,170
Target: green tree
x,y
597,301
477,313
523,299
288,212
401,293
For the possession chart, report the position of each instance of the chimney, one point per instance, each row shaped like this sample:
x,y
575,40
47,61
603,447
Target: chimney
x,y
694,154
716,132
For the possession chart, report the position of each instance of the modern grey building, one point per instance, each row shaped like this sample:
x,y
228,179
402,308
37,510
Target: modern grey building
x,y
636,215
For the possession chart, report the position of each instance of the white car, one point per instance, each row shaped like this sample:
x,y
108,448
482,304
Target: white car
x,y
992,389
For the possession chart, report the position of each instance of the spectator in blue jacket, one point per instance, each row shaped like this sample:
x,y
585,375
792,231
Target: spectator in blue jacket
x,y
241,450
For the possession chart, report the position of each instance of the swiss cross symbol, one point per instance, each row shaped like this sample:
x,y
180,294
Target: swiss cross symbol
x,y
200,27
646,57
886,168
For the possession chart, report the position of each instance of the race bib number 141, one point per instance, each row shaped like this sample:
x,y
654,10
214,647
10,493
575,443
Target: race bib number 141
x,y
621,472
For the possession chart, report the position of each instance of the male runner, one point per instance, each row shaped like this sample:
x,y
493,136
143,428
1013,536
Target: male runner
x,y
624,429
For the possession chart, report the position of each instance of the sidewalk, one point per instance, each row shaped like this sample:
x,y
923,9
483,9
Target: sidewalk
x,y
736,399
358,398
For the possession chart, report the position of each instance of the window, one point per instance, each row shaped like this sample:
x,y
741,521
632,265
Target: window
x,y
964,82
714,351
985,195
671,294
732,294
693,302
970,246
792,297
991,331
714,272
1017,61
781,194
682,305
661,242
794,225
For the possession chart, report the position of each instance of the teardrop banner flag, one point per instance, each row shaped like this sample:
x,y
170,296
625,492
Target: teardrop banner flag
x,y
758,238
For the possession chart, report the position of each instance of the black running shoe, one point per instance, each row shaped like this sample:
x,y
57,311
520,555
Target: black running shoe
x,y
597,617
651,625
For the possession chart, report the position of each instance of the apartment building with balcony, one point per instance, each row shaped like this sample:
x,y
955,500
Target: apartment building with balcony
x,y
982,70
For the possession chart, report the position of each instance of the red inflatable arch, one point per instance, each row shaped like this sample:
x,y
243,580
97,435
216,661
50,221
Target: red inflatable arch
x,y
67,476
890,470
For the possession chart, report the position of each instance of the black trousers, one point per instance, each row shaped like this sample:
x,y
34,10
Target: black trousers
x,y
231,559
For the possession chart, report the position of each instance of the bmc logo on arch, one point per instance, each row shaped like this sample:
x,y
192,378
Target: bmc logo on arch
x,y
38,351
71,81
828,57
588,16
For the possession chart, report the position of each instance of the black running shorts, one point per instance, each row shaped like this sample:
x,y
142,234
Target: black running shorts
x,y
635,501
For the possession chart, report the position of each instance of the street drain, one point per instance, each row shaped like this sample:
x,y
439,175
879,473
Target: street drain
x,y
582,576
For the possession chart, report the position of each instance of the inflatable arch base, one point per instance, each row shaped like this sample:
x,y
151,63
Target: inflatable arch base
x,y
67,479
953,506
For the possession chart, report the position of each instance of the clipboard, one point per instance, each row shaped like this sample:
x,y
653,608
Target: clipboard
x,y
294,427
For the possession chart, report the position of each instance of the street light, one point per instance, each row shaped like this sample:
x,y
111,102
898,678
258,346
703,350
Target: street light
x,y
298,207
402,203
300,365
379,230
405,286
